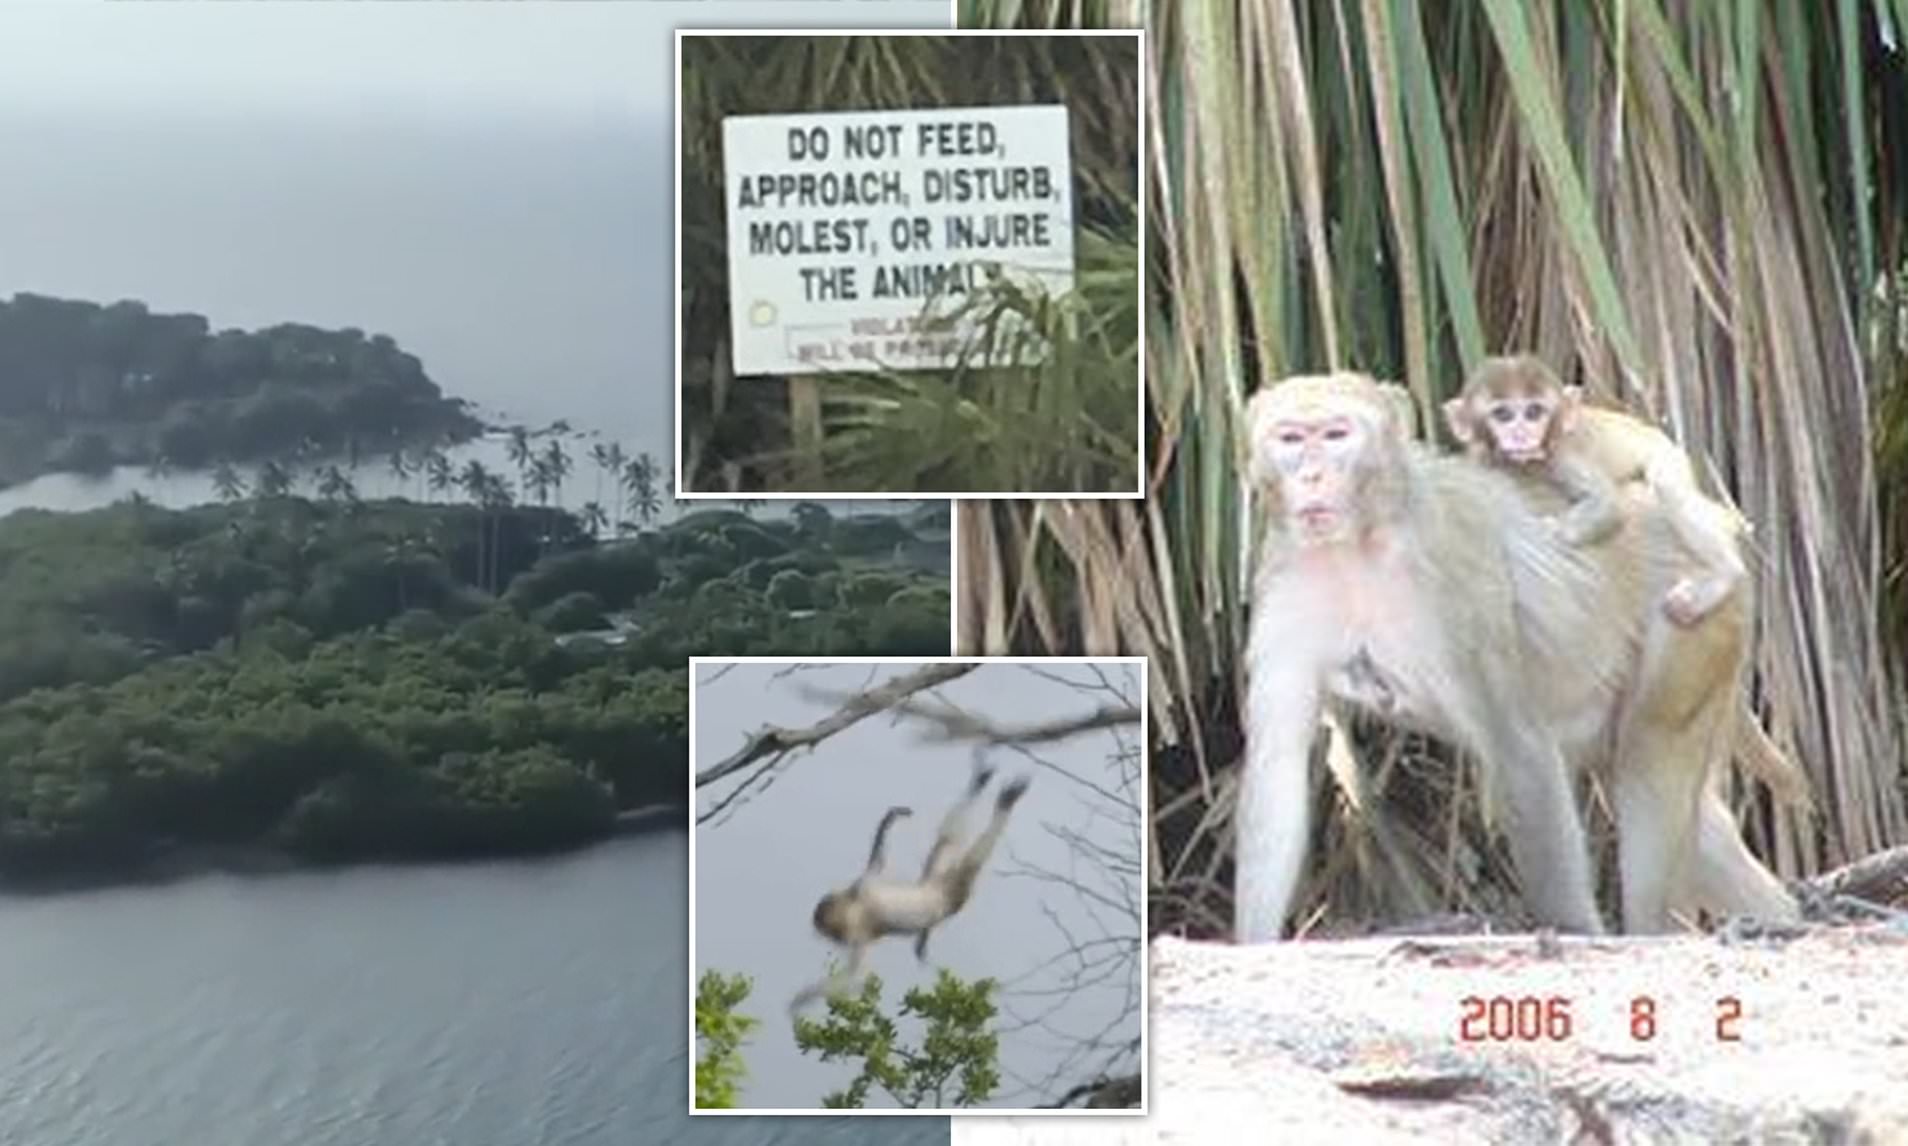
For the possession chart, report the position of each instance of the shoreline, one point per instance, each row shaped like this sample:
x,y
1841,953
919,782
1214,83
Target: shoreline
x,y
190,861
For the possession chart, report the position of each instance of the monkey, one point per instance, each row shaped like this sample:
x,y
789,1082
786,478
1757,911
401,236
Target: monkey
x,y
1440,580
874,906
1515,414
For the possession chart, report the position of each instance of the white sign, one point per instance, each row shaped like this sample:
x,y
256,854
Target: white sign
x,y
852,235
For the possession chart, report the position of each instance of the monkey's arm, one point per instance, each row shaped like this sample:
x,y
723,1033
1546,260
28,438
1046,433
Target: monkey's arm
x,y
1595,511
878,854
1273,819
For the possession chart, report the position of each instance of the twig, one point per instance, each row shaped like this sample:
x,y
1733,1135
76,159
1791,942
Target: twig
x,y
778,742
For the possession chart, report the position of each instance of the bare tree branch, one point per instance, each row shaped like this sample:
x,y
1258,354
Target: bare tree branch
x,y
771,741
952,724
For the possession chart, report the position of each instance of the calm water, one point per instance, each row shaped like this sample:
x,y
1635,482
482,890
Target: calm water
x,y
505,1004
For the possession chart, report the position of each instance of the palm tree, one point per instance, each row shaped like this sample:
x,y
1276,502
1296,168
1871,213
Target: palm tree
x,y
639,485
595,519
334,486
518,450
401,466
474,478
557,466
610,460
476,481
539,481
496,499
159,468
437,465
273,480
228,483
599,453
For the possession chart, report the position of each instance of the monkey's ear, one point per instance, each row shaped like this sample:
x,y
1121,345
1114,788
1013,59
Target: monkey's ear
x,y
1403,408
1456,420
1255,402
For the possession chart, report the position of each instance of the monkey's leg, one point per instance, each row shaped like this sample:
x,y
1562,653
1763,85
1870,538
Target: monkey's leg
x,y
1707,530
832,984
1546,833
954,825
1272,818
945,855
1727,878
1653,793
959,876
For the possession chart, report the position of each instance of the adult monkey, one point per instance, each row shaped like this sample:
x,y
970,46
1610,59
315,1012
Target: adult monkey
x,y
1436,579
875,905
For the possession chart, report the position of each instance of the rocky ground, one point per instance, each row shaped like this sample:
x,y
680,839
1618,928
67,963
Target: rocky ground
x,y
1797,1037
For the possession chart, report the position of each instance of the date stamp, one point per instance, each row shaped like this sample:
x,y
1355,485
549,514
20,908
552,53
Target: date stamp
x,y
1552,1018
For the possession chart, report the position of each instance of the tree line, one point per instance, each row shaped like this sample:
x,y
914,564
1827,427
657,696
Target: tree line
x,y
85,387
342,680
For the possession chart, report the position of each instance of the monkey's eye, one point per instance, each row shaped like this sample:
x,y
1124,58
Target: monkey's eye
x,y
1290,437
1536,412
1502,414
1336,433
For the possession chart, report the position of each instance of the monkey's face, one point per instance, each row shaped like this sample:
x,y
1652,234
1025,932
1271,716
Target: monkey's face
x,y
1313,443
831,916
1520,426
1512,411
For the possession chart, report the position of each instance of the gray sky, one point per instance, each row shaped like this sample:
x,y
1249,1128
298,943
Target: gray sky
x,y
760,869
573,60
489,184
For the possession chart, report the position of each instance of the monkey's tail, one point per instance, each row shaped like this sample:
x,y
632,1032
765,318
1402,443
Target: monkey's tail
x,y
1765,760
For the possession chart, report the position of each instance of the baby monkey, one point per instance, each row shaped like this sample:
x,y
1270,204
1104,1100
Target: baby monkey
x,y
874,905
1514,414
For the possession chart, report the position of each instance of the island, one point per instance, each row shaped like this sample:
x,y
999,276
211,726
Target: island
x,y
85,387
280,679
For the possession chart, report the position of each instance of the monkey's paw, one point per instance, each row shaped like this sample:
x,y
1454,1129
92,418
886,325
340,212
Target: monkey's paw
x,y
1690,599
1015,788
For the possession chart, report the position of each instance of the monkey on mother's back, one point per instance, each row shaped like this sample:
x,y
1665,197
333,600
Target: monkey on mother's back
x,y
1437,578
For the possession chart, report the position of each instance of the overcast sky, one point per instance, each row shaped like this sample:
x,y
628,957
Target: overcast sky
x,y
575,60
760,870
488,183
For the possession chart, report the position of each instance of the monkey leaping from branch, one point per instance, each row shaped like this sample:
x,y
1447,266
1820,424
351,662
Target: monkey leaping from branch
x,y
876,905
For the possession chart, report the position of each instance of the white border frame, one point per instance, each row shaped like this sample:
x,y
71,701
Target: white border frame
x,y
1146,950
675,301
954,577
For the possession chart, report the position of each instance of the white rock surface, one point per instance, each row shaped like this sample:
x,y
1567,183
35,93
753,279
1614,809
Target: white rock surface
x,y
1357,1042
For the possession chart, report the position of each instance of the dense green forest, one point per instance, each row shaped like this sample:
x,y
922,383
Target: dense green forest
x,y
85,387
316,681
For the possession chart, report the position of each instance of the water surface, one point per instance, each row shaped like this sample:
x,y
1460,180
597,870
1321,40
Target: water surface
x,y
488,1004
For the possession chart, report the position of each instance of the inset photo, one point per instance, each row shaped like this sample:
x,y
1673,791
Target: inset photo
x,y
908,263
918,885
